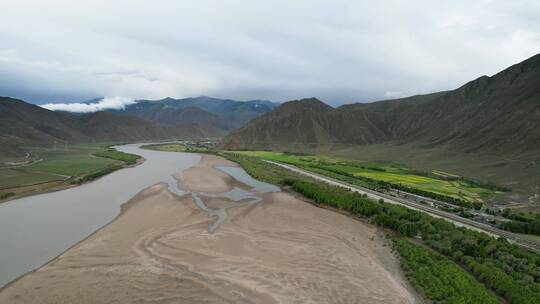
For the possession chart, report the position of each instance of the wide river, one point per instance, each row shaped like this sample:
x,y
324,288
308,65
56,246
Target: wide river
x,y
35,229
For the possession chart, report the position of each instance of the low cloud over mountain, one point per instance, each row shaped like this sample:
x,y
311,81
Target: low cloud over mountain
x,y
107,103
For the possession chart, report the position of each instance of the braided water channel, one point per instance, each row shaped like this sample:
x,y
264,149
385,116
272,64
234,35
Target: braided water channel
x,y
237,197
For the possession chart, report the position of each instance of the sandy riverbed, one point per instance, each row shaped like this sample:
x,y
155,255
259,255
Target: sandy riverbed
x,y
159,250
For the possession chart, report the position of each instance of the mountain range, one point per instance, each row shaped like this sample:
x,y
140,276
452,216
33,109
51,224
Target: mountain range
x,y
496,115
22,123
202,117
221,115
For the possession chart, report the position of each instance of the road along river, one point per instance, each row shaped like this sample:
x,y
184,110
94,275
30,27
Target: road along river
x,y
35,229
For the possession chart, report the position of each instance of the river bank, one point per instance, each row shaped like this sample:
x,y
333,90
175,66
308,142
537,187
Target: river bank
x,y
278,249
35,229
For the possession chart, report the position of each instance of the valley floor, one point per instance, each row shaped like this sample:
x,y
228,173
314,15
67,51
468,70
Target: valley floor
x,y
519,172
281,250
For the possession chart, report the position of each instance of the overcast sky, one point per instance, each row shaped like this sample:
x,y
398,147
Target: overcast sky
x,y
339,51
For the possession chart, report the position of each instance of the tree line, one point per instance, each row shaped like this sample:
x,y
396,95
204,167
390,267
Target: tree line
x,y
440,279
521,222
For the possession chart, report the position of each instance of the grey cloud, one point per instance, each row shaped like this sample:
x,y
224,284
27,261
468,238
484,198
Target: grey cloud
x,y
341,51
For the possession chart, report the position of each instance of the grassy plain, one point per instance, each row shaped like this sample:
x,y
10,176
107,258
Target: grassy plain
x,y
438,182
78,159
49,169
50,164
14,177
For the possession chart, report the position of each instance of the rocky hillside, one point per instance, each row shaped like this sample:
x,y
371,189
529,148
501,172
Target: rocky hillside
x,y
498,114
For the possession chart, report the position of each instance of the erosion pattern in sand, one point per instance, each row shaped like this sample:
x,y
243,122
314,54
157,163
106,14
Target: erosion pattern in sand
x,y
160,250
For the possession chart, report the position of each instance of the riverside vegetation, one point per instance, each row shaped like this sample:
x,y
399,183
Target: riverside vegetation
x,y
507,270
126,159
177,147
439,278
383,176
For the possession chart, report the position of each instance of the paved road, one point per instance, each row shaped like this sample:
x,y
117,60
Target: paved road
x,y
526,243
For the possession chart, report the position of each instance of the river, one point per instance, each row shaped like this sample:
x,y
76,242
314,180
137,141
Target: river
x,y
36,229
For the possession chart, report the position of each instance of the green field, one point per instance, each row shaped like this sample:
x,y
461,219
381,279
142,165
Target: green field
x,y
56,164
176,147
457,189
11,178
166,147
438,182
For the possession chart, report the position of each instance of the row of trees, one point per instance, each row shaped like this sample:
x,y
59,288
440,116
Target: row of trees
x,y
438,277
510,271
96,174
4,195
126,158
521,222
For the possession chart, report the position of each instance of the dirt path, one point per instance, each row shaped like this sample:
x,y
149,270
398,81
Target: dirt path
x,y
159,250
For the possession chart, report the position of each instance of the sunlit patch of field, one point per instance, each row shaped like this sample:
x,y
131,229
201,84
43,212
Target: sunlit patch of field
x,y
444,174
457,189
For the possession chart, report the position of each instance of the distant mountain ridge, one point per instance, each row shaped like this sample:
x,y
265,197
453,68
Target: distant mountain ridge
x,y
498,114
222,114
190,118
24,123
